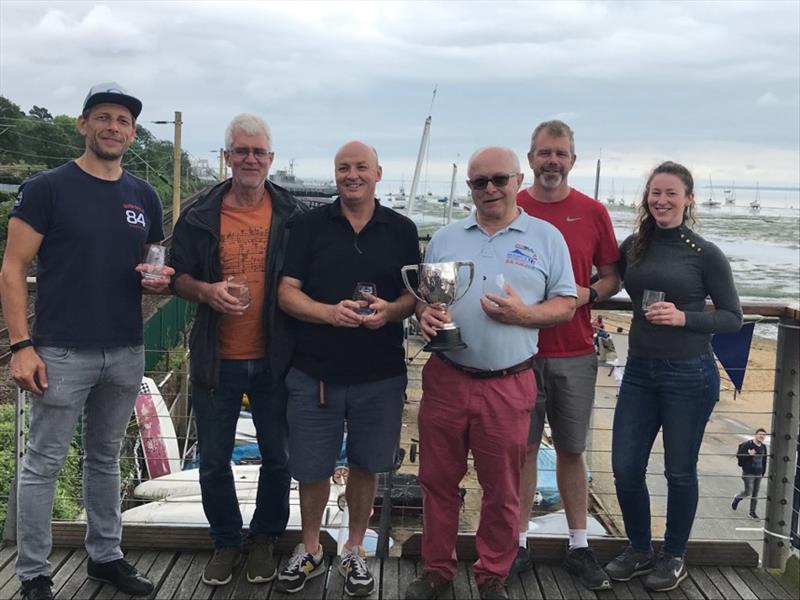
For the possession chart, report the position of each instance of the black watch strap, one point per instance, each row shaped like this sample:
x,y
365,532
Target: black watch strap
x,y
20,345
592,295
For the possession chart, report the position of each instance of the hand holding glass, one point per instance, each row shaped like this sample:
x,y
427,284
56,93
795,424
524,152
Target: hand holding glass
x,y
154,262
237,287
364,287
650,297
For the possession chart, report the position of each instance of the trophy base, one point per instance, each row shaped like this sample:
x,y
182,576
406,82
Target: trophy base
x,y
445,341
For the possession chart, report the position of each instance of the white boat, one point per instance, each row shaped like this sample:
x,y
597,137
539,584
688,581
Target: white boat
x,y
755,205
730,196
172,496
611,200
711,201
175,500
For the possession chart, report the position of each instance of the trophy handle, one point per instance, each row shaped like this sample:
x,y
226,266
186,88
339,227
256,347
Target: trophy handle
x,y
403,271
471,265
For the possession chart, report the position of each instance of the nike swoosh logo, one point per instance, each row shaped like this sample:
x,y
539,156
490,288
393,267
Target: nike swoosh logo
x,y
677,573
571,219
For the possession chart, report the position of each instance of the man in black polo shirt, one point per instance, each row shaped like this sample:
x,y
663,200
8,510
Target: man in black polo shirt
x,y
349,362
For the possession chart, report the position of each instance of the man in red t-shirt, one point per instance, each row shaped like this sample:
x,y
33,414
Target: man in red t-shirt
x,y
566,365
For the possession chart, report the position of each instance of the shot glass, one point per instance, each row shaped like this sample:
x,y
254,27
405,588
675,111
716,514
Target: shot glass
x,y
237,287
154,261
650,297
364,287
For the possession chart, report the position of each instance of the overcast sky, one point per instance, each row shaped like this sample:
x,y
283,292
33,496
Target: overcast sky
x,y
714,85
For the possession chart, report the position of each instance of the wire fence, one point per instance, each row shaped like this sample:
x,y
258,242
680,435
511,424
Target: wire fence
x,y
160,482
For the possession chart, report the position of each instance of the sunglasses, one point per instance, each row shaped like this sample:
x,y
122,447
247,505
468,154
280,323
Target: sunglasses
x,y
497,181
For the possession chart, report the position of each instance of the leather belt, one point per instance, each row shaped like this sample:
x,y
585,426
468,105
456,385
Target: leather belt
x,y
481,374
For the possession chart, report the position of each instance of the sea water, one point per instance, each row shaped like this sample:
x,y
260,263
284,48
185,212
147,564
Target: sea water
x,y
763,246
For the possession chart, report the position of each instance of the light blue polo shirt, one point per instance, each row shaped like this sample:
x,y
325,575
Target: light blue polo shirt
x,y
531,255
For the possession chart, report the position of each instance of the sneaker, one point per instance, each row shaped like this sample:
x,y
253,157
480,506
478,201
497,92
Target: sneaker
x,y
302,566
261,565
122,575
631,563
493,589
428,585
753,515
582,563
735,503
219,569
667,573
38,588
358,581
522,562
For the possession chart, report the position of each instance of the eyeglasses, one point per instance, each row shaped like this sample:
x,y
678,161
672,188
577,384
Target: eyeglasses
x,y
497,181
258,153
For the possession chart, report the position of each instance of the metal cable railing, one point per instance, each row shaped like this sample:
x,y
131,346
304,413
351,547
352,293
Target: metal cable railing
x,y
173,497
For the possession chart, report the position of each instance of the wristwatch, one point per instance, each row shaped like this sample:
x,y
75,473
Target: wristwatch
x,y
592,295
20,345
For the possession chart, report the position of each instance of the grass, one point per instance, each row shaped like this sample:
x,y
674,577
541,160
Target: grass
x,y
67,503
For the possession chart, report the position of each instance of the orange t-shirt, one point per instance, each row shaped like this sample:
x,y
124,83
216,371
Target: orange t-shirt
x,y
244,234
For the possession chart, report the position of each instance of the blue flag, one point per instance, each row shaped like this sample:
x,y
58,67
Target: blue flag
x,y
733,350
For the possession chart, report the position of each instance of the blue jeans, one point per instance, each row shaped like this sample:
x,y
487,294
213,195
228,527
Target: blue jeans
x,y
216,413
100,386
676,396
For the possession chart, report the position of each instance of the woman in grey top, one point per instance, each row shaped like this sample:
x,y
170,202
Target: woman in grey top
x,y
671,382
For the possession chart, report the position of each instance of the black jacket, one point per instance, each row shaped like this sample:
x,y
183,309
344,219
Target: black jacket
x,y
749,463
195,251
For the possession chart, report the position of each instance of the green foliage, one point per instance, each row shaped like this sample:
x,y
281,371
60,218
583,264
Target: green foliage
x,y
5,208
68,487
38,141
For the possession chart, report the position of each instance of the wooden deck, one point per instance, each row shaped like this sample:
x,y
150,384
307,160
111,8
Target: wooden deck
x,y
177,575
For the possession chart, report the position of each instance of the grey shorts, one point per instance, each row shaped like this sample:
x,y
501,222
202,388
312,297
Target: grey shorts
x,y
566,395
373,412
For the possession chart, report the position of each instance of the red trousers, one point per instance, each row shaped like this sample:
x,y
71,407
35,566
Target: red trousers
x,y
490,417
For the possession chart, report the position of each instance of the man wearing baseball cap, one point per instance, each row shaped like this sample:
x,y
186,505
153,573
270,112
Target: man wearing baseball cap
x,y
88,222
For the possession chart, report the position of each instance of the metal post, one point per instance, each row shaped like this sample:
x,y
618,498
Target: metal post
x,y
385,529
176,170
222,169
10,529
783,451
597,182
451,199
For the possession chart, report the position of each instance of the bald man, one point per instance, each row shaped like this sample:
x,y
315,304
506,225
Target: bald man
x,y
349,363
479,399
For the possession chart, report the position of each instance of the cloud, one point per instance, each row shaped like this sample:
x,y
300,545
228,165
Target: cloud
x,y
767,99
639,79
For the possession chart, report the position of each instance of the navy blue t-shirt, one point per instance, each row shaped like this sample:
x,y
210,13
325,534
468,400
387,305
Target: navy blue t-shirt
x,y
95,232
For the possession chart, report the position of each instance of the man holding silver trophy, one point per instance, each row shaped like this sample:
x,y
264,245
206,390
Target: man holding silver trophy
x,y
341,282
479,388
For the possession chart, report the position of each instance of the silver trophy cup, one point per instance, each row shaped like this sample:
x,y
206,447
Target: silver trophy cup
x,y
441,284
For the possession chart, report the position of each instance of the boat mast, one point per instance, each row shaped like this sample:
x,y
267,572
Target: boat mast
x,y
452,193
423,144
597,178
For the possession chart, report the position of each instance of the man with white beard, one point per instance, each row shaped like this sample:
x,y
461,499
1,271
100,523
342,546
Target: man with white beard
x,y
566,365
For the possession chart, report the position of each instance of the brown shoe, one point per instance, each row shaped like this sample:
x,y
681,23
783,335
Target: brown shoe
x,y
493,589
428,586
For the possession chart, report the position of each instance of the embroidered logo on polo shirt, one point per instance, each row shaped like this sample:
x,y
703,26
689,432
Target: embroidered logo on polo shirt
x,y
134,216
522,256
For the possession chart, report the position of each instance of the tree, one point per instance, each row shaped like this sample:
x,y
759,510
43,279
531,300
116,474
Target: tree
x,y
10,116
40,112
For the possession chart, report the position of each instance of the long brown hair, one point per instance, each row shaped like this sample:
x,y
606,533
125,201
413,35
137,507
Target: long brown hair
x,y
645,223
